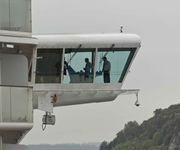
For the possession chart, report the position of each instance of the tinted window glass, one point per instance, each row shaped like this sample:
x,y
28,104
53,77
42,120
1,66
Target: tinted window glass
x,y
113,68
48,68
80,65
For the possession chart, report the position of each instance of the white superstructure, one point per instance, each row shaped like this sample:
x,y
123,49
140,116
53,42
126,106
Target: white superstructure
x,y
88,40
69,93
47,71
16,117
30,79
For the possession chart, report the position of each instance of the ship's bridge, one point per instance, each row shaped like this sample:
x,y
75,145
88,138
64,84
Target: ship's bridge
x,y
83,68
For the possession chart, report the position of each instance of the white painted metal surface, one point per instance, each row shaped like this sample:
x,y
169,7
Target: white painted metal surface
x,y
15,15
15,39
88,40
18,120
14,126
45,102
14,70
16,111
73,94
16,117
12,99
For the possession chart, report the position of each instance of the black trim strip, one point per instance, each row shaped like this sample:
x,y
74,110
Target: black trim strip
x,y
131,55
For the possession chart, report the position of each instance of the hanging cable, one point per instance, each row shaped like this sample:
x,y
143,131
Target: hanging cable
x,y
44,122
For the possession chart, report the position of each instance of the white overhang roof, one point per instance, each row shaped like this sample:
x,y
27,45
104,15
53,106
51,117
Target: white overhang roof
x,y
88,40
18,40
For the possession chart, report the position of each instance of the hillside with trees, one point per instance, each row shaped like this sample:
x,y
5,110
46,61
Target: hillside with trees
x,y
161,132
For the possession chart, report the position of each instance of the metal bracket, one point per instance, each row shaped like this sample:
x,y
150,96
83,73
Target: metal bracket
x,y
137,100
48,119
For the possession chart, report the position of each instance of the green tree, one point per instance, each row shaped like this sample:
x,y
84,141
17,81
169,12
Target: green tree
x,y
153,134
104,146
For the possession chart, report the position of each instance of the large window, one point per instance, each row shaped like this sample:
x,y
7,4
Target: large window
x,y
48,68
112,64
83,65
78,65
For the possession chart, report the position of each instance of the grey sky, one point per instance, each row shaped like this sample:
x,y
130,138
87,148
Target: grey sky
x,y
155,70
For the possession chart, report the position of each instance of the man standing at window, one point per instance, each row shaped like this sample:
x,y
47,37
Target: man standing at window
x,y
87,68
106,70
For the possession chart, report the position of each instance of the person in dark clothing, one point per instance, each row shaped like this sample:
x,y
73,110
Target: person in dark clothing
x,y
58,68
87,68
65,67
106,70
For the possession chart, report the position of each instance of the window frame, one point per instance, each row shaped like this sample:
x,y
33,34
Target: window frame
x,y
60,50
84,49
128,62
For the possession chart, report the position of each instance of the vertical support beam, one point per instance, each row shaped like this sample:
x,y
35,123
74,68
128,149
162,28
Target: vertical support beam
x,y
0,71
1,119
29,3
1,143
62,66
95,64
33,75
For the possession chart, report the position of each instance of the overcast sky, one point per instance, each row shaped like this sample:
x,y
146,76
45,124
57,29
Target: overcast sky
x,y
155,70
